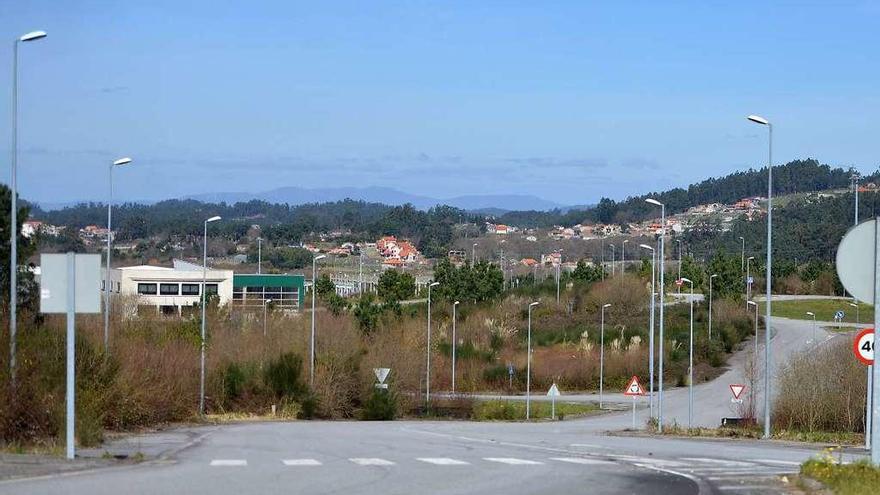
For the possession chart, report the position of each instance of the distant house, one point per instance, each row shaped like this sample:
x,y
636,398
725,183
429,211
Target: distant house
x,y
391,248
529,261
553,259
30,227
502,229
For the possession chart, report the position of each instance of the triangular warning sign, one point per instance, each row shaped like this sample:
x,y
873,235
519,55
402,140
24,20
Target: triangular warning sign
x,y
381,373
737,390
634,387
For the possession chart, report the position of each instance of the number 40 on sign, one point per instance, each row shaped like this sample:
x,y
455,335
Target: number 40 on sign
x,y
863,346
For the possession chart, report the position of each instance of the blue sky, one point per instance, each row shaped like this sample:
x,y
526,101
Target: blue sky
x,y
569,101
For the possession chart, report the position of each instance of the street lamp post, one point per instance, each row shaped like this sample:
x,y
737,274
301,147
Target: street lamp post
x,y
690,357
661,289
259,255
557,282
753,303
755,359
529,363
428,372
613,253
623,257
266,303
769,272
679,262
749,278
710,304
118,163
454,344
742,256
315,260
473,253
204,303
651,332
602,356
812,315
13,204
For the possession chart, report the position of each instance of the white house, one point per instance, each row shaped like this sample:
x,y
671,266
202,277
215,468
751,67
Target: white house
x,y
169,290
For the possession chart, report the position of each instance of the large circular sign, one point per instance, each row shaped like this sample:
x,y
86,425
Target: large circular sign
x,y
863,346
855,261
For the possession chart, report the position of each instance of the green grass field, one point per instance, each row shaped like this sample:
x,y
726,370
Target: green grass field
x,y
859,478
824,309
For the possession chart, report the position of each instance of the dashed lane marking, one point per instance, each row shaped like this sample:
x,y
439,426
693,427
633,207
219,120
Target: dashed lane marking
x,y
774,461
512,461
580,460
228,462
371,461
301,462
442,461
723,462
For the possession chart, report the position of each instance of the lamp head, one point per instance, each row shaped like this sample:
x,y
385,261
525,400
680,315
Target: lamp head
x,y
434,284
687,280
714,275
810,313
645,246
753,303
32,36
607,305
758,120
320,257
212,219
122,161
534,303
653,202
456,303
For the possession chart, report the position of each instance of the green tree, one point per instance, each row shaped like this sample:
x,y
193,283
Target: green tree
x,y
395,286
729,281
28,292
367,313
325,287
692,270
586,273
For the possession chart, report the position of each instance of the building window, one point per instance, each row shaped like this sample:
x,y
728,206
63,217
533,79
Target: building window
x,y
147,289
169,289
210,289
189,289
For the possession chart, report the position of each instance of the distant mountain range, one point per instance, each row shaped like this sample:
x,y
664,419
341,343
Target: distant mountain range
x,y
385,195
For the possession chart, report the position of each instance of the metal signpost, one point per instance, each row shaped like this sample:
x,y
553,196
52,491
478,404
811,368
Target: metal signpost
x,y
634,389
858,251
553,393
70,283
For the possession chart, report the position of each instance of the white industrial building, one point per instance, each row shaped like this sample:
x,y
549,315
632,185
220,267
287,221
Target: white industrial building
x,y
169,290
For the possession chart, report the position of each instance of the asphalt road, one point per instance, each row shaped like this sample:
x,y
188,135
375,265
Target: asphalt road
x,y
458,457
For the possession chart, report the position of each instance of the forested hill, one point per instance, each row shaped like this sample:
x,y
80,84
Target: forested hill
x,y
796,176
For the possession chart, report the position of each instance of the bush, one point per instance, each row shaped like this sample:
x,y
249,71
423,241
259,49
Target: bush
x,y
821,390
497,410
282,376
380,406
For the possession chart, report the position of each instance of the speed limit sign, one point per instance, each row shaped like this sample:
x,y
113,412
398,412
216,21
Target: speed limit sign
x,y
863,346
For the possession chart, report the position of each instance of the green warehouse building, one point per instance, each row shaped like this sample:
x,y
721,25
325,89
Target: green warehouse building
x,y
283,291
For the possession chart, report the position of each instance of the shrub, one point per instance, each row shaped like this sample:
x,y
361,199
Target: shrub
x,y
497,410
282,376
381,405
833,400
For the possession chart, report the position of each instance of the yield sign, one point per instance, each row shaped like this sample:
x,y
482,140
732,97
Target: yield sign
x,y
634,387
737,390
381,373
553,392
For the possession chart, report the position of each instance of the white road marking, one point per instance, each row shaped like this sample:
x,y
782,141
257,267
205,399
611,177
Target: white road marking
x,y
580,460
370,461
587,445
442,461
774,461
723,462
301,462
512,461
229,462
743,487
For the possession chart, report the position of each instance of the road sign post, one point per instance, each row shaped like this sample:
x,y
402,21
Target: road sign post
x,y
737,390
858,251
70,283
634,389
553,393
381,375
